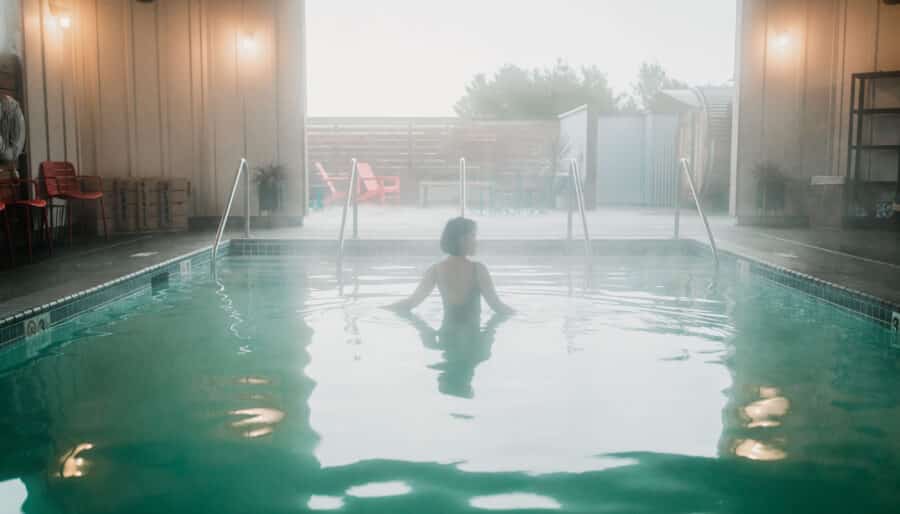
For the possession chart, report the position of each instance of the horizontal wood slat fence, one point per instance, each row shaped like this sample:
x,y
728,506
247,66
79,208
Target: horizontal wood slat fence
x,y
417,149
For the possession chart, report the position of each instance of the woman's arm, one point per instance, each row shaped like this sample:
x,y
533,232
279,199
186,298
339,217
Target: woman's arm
x,y
426,286
486,286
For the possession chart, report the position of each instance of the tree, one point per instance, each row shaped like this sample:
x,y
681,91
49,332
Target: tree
x,y
517,93
652,79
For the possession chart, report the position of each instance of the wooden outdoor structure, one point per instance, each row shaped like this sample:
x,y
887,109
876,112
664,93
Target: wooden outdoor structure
x,y
422,149
705,120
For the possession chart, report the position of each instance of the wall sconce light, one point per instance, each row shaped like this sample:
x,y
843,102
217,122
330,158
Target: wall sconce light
x,y
247,43
62,11
781,41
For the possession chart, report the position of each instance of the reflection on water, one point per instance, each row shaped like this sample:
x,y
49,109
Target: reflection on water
x,y
256,422
317,502
517,501
767,412
72,464
253,380
463,347
379,489
626,387
756,450
13,494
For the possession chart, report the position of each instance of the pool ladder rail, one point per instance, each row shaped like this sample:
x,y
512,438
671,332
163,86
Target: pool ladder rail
x,y
575,185
351,201
243,170
686,169
576,190
352,191
462,187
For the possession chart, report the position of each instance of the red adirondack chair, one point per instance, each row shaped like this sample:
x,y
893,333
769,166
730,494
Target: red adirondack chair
x,y
62,181
335,193
377,187
9,243
10,197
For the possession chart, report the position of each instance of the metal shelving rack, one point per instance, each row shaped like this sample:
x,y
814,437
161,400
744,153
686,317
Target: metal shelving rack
x,y
862,138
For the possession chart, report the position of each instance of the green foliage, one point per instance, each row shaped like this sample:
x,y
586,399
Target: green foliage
x,y
269,175
517,93
652,79
543,93
768,171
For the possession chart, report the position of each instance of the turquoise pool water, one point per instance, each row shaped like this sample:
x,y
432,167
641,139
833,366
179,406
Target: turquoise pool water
x,y
633,386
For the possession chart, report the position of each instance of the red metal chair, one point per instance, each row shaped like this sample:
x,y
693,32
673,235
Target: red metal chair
x,y
10,197
377,187
9,243
62,181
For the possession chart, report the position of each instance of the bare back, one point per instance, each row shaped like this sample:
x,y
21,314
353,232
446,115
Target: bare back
x,y
462,283
457,280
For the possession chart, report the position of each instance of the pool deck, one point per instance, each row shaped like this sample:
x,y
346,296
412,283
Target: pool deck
x,y
865,260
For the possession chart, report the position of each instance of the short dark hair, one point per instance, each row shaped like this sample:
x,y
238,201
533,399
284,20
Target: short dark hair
x,y
454,232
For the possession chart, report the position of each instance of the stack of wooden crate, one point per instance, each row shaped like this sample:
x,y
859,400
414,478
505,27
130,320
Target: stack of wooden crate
x,y
148,204
174,196
126,204
134,205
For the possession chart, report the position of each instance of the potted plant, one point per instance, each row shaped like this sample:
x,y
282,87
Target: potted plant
x,y
772,187
269,181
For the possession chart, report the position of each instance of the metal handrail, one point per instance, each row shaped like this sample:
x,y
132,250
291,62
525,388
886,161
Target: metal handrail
x,y
352,190
577,191
686,168
462,187
221,229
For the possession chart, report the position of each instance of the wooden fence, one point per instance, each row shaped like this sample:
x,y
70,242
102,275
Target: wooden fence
x,y
417,149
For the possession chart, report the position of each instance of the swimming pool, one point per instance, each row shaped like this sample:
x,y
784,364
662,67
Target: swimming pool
x,y
631,385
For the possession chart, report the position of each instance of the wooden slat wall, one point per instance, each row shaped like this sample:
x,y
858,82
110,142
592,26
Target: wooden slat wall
x,y
163,89
793,104
418,149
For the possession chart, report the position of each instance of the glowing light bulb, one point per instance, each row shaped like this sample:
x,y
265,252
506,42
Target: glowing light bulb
x,y
248,43
782,41
65,22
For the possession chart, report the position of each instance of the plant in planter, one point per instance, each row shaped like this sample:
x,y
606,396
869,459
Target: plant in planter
x,y
771,192
269,181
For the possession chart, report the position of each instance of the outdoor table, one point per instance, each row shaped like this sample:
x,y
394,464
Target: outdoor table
x,y
523,191
482,186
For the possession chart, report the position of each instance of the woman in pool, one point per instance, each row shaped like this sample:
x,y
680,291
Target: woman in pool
x,y
461,281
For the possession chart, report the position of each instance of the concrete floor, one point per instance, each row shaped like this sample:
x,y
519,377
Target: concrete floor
x,y
868,261
387,222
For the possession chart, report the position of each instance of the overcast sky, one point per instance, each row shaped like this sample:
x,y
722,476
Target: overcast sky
x,y
414,57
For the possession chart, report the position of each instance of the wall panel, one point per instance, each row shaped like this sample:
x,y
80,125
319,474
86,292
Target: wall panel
x,y
796,111
113,130
168,89
291,98
752,91
818,93
147,85
36,109
85,64
177,88
888,38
